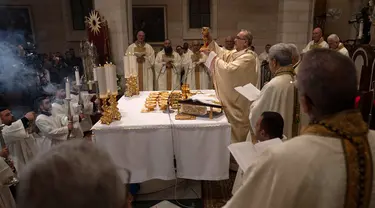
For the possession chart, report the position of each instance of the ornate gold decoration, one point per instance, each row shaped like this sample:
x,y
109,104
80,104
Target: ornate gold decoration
x,y
94,22
206,35
106,116
132,87
113,107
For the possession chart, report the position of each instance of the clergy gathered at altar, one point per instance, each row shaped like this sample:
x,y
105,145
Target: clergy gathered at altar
x,y
309,145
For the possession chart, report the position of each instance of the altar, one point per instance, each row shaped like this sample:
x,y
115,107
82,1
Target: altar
x,y
147,143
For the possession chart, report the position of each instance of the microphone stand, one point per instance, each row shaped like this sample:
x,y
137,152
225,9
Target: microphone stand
x,y
372,104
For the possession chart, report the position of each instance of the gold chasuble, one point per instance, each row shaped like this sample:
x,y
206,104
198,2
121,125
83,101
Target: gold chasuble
x,y
195,58
350,128
168,70
140,48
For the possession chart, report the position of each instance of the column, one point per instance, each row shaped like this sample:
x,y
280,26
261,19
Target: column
x,y
295,21
116,12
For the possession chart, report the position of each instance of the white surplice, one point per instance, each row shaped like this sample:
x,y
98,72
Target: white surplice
x,y
290,175
148,74
88,110
53,130
341,49
22,145
62,111
278,96
197,63
161,71
311,45
6,197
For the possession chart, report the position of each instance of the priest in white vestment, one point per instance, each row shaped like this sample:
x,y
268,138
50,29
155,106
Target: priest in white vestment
x,y
317,41
229,43
60,109
230,70
168,68
145,62
334,44
278,95
197,76
269,126
54,129
18,138
331,164
264,55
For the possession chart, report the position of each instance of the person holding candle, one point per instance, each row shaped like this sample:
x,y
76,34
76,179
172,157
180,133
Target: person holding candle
x,y
54,129
144,62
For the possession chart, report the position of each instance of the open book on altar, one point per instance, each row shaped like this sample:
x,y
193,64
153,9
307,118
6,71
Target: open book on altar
x,y
204,99
249,91
245,153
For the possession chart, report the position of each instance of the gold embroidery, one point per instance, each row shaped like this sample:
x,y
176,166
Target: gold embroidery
x,y
352,130
317,45
140,49
169,71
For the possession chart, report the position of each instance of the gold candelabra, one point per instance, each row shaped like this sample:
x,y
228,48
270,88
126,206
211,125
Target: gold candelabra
x,y
115,113
106,113
132,87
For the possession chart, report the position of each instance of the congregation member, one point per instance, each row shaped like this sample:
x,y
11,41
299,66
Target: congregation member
x,y
264,55
54,129
67,175
168,68
231,69
270,125
229,43
198,76
278,95
145,62
334,44
317,41
18,137
60,109
330,164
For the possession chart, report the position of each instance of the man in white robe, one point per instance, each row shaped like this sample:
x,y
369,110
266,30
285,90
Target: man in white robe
x,y
198,76
230,70
18,138
185,61
269,126
87,108
168,68
229,43
145,62
54,129
60,109
278,95
264,55
330,164
317,41
334,44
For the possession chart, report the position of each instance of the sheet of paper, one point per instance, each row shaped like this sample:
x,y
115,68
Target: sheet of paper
x,y
249,91
211,56
244,153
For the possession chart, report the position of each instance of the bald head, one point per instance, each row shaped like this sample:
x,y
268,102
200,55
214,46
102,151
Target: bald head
x,y
141,36
196,46
229,43
327,83
317,34
333,41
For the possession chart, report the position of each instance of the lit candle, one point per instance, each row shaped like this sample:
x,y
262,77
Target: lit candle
x,y
78,80
103,93
108,77
67,89
134,65
95,76
126,66
114,79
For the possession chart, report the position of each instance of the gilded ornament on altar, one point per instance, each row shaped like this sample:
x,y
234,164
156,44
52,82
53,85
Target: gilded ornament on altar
x,y
106,116
94,22
131,86
114,111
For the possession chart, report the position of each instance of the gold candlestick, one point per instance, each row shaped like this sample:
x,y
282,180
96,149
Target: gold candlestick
x,y
106,116
115,113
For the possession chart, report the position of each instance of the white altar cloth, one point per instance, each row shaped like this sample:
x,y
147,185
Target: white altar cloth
x,y
142,143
